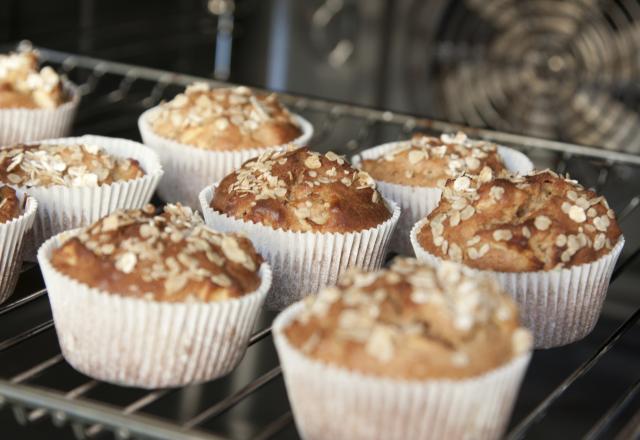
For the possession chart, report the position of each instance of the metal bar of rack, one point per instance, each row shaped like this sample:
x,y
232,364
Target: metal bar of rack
x,y
114,94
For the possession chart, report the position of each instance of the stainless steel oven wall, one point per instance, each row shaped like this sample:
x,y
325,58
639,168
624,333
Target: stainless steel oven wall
x,y
329,48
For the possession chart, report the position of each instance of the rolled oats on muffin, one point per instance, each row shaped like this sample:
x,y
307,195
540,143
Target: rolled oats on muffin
x,y
78,180
188,294
35,103
428,161
412,173
71,165
404,352
311,215
170,257
553,241
205,133
17,212
24,85
225,119
301,190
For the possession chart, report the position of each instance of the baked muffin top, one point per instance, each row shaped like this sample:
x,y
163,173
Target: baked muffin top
x,y
411,322
169,257
430,161
22,85
302,190
66,165
225,119
9,204
541,221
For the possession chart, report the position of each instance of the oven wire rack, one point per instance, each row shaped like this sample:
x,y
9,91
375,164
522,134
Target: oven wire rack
x,y
113,95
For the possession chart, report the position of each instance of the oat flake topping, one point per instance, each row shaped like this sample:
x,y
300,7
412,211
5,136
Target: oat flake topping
x,y
231,117
310,185
533,222
68,165
412,307
433,160
19,73
172,256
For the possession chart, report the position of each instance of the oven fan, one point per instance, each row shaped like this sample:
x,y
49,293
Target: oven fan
x,y
567,70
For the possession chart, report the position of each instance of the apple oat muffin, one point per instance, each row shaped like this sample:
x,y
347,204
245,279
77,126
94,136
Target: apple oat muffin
x,y
428,161
171,257
24,85
540,221
302,190
225,119
76,165
411,322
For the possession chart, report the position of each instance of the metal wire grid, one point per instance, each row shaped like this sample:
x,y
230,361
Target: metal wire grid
x,y
114,94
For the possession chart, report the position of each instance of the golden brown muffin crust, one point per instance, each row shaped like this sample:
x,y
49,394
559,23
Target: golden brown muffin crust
x,y
9,98
411,322
9,204
301,190
429,161
169,257
67,165
225,119
541,221
22,85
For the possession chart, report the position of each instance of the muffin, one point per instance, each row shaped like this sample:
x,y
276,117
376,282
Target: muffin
x,y
205,133
412,173
311,215
72,165
34,103
23,85
189,297
79,180
406,352
225,119
9,204
16,219
303,191
551,243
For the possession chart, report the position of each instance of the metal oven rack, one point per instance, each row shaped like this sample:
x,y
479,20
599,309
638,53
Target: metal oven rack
x,y
39,388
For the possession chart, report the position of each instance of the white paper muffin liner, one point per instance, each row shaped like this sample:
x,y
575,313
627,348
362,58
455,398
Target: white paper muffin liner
x,y
559,306
332,402
188,169
146,343
61,207
304,262
12,244
22,124
416,201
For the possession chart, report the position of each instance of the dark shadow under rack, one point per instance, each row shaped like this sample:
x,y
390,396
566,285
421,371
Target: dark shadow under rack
x,y
36,384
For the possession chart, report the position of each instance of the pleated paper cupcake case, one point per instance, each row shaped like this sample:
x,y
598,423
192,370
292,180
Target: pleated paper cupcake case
x,y
189,169
62,208
330,401
22,125
144,343
12,234
304,262
559,306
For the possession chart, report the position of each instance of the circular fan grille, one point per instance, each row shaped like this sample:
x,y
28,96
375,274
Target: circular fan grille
x,y
567,70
